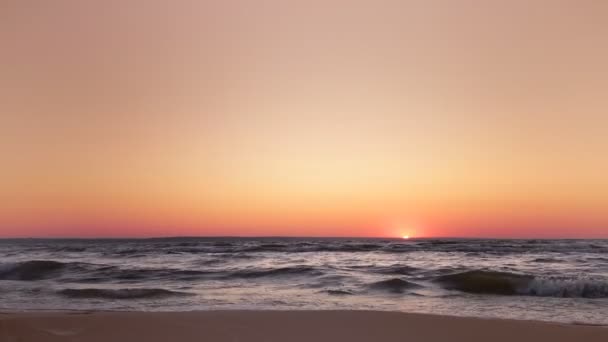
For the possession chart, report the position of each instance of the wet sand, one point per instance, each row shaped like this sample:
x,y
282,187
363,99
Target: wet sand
x,y
294,326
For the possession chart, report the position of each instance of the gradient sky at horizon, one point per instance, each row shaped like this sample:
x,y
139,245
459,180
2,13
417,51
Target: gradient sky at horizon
x,y
304,118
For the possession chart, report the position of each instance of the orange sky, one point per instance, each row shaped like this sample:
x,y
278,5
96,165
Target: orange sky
x,y
324,118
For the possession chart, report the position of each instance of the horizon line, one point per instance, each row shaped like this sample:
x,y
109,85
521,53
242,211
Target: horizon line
x,y
292,237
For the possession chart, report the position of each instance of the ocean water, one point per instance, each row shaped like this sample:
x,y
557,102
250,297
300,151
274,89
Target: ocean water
x,y
550,280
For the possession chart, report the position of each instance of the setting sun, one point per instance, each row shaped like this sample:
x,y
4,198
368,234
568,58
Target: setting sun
x,y
405,237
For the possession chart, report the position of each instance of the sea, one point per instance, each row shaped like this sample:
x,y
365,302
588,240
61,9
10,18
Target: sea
x,y
562,281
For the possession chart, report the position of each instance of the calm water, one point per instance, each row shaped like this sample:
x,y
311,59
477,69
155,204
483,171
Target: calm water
x,y
552,280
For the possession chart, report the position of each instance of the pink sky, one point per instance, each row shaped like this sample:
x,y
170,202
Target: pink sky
x,y
324,118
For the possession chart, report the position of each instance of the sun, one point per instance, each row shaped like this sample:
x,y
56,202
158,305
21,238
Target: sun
x,y
405,231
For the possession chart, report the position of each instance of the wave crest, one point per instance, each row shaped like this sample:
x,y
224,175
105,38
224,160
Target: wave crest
x,y
567,288
31,270
504,283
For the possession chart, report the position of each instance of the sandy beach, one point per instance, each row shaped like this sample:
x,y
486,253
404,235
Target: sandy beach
x,y
258,326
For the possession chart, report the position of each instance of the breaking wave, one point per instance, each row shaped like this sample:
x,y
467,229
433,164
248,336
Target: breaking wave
x,y
504,283
567,288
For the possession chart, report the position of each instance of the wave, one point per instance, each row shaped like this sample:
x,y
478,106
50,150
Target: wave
x,y
600,259
75,272
396,269
484,282
548,260
504,283
339,292
394,285
567,287
135,274
71,249
34,270
275,272
31,270
127,293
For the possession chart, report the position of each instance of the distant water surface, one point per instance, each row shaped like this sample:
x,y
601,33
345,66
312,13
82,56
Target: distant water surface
x,y
552,280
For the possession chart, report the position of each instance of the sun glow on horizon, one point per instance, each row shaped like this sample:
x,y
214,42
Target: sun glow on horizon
x,y
405,231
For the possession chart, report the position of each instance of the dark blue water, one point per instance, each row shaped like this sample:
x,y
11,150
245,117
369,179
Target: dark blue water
x,y
552,280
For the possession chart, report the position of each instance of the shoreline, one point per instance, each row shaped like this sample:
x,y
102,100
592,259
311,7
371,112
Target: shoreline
x,y
69,312
272,325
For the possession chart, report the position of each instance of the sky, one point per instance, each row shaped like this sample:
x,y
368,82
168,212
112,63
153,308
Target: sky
x,y
304,118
